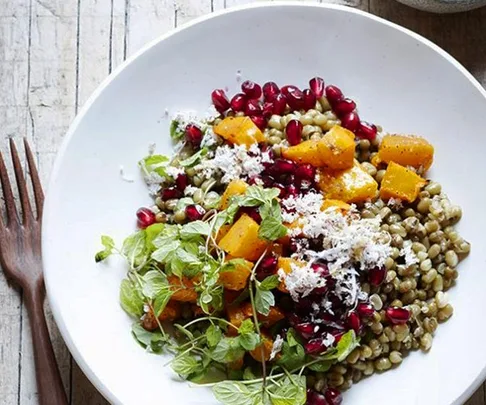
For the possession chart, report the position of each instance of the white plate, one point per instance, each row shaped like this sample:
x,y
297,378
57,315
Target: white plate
x,y
400,80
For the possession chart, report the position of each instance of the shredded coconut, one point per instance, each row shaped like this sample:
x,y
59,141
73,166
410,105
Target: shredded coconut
x,y
277,346
302,205
301,281
408,254
173,171
124,177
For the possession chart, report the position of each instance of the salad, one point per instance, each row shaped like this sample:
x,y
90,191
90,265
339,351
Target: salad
x,y
292,250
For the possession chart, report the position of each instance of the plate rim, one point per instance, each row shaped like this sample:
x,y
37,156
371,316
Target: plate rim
x,y
66,335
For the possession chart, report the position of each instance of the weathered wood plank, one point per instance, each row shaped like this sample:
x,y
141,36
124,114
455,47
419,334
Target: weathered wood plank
x,y
479,397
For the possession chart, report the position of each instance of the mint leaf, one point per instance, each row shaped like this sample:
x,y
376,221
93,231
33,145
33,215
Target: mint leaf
x,y
109,246
161,301
195,228
185,365
292,356
163,253
271,227
291,391
134,249
213,335
131,298
269,283
151,232
153,341
194,159
154,164
233,392
292,338
246,326
153,282
249,341
262,194
183,203
263,301
346,345
175,132
321,367
228,350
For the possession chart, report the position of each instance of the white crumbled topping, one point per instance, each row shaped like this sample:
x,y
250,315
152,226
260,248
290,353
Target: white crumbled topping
x,y
277,346
209,138
328,340
301,281
151,148
408,254
395,203
173,171
153,181
124,177
190,190
233,161
302,205
146,308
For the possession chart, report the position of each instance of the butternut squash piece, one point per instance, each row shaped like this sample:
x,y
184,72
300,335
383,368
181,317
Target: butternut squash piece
x,y
306,152
184,290
239,130
400,182
406,150
341,205
285,264
237,278
272,318
267,344
236,315
171,312
235,187
337,147
242,240
353,185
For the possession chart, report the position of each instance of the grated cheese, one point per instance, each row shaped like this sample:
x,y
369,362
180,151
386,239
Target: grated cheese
x,y
277,346
408,254
301,281
302,205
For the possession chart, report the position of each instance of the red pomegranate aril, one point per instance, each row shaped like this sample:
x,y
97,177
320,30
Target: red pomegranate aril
x,y
293,130
270,91
367,131
170,193
238,102
267,110
292,191
337,336
397,316
253,108
145,217
333,94
267,267
376,276
194,135
252,212
344,106
333,396
279,104
320,269
306,329
305,172
365,310
195,212
251,89
315,398
315,346
181,181
316,84
354,322
283,166
220,100
350,121
259,121
294,96
268,181
309,99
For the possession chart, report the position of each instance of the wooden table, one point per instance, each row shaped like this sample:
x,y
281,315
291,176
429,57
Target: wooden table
x,y
53,54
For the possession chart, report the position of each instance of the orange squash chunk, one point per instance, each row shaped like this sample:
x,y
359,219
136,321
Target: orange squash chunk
x,y
306,152
236,315
272,318
222,232
406,151
184,290
267,344
352,185
235,187
400,182
171,312
285,263
239,130
237,278
242,240
341,205
337,147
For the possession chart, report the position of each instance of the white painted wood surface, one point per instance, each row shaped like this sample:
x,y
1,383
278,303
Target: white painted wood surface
x,y
54,53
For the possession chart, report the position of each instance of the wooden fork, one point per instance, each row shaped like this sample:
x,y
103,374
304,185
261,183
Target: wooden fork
x,y
20,258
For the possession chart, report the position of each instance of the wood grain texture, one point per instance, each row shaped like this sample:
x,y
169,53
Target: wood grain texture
x,y
54,53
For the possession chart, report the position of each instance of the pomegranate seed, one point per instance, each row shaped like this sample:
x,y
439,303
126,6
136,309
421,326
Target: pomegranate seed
x,y
333,94
315,346
304,185
282,166
292,191
259,121
220,100
306,172
270,91
376,276
287,179
333,396
238,102
350,121
337,336
269,264
279,104
170,193
145,217
354,322
293,130
295,97
253,108
268,181
194,135
267,109
316,85
365,310
344,106
195,212
320,269
181,181
315,398
397,316
306,329
309,99
367,131
251,89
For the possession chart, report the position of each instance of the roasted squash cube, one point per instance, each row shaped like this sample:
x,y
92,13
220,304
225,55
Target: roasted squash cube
x,y
341,205
239,130
242,240
222,232
272,318
263,351
235,187
352,185
306,152
171,312
183,289
406,150
236,278
336,148
401,183
236,315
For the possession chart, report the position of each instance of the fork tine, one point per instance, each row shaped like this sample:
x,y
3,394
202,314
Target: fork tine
x,y
34,175
7,192
21,185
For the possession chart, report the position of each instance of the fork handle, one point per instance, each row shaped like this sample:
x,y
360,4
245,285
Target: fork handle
x,y
49,382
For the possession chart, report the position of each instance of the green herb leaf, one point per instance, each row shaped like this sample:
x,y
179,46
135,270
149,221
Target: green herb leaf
x,y
153,341
291,391
248,374
263,301
134,249
131,298
109,246
247,326
228,350
269,283
292,338
175,132
195,228
213,335
164,253
271,228
321,367
346,345
194,159
249,341
183,203
161,300
185,365
151,232
292,356
233,392
153,282
154,164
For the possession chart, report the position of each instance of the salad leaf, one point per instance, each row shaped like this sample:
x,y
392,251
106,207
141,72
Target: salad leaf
x,y
321,367
163,253
161,301
154,164
263,301
293,353
153,341
272,227
247,336
153,282
176,133
289,391
185,365
194,159
109,246
183,203
247,326
213,335
228,350
151,232
269,283
134,249
195,228
233,392
131,298
346,345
